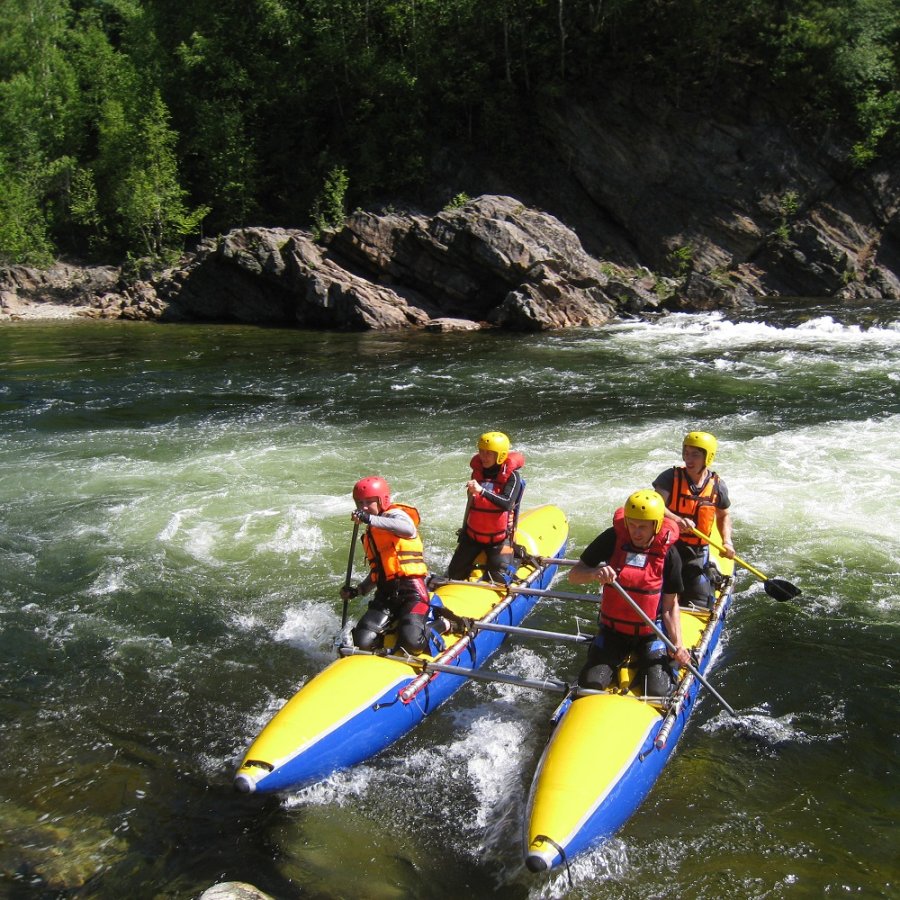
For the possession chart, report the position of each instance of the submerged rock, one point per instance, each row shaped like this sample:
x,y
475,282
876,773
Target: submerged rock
x,y
52,853
234,890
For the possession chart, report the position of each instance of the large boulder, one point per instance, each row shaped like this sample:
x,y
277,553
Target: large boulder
x,y
490,261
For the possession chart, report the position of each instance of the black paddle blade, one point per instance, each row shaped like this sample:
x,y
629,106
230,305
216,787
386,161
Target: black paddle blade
x,y
779,589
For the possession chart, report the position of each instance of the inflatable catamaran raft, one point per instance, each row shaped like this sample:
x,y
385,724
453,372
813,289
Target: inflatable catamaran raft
x,y
608,748
364,702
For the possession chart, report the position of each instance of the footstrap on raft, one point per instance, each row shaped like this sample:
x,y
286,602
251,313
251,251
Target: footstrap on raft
x,y
562,853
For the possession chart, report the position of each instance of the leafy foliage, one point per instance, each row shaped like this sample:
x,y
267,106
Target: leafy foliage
x,y
126,124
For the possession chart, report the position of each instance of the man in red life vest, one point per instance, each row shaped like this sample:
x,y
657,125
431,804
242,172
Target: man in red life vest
x,y
639,552
494,490
397,569
696,497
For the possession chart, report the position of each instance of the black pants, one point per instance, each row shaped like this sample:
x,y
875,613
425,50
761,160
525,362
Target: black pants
x,y
402,603
696,569
610,649
499,559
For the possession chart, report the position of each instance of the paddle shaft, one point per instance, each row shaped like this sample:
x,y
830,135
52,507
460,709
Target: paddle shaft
x,y
662,636
721,549
349,572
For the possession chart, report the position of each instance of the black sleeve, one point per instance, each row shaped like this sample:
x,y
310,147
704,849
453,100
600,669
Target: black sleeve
x,y
665,481
600,549
724,499
672,581
506,499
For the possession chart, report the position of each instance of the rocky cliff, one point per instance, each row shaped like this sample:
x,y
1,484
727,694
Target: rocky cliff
x,y
663,209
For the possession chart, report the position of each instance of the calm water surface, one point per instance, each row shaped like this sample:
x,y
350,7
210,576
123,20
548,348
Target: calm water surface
x,y
174,529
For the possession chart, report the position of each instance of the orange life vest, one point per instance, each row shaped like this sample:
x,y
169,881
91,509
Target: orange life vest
x,y
485,522
640,573
391,556
695,502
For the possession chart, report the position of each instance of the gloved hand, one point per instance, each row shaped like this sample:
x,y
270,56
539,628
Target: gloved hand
x,y
361,515
348,592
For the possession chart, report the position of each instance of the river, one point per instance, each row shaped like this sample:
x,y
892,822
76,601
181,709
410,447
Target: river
x,y
174,529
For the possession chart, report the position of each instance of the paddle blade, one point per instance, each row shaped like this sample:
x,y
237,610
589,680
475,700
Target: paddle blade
x,y
779,589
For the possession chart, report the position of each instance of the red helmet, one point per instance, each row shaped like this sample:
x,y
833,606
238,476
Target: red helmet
x,y
372,486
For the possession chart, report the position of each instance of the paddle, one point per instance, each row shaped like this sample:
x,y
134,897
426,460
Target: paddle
x,y
776,588
349,573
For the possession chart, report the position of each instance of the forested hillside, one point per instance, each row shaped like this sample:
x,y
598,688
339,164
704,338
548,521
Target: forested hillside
x,y
129,126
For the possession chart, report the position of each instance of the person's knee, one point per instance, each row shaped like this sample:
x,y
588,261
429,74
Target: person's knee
x,y
501,562
659,679
411,634
596,677
369,631
460,565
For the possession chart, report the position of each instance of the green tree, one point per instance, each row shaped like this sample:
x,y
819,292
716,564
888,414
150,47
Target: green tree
x,y
149,198
24,236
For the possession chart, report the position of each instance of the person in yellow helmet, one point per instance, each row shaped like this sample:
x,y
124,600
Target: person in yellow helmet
x,y
639,552
696,497
495,490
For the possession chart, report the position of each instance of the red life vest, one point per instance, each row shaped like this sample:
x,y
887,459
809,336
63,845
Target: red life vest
x,y
391,556
485,522
693,502
640,573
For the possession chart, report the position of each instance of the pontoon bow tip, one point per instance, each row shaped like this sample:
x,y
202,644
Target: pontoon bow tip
x,y
244,785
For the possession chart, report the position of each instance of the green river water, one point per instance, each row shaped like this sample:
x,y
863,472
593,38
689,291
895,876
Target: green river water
x,y
174,529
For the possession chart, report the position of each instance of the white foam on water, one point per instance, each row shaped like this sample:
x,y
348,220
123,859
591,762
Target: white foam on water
x,y
704,331
772,732
491,752
338,789
310,627
295,534
109,581
606,863
173,526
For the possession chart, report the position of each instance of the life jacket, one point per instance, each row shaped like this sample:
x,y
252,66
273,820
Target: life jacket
x,y
391,556
640,573
695,502
485,522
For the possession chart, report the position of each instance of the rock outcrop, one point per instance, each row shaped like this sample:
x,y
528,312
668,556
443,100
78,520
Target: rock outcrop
x,y
490,262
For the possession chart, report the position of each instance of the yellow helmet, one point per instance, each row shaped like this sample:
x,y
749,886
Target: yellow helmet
x,y
705,441
496,441
646,505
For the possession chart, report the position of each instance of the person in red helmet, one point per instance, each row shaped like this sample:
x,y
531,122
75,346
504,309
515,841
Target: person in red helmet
x,y
397,569
495,491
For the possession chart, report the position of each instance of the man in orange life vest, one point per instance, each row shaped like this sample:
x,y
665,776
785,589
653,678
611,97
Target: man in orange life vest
x,y
494,490
397,569
639,552
696,497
